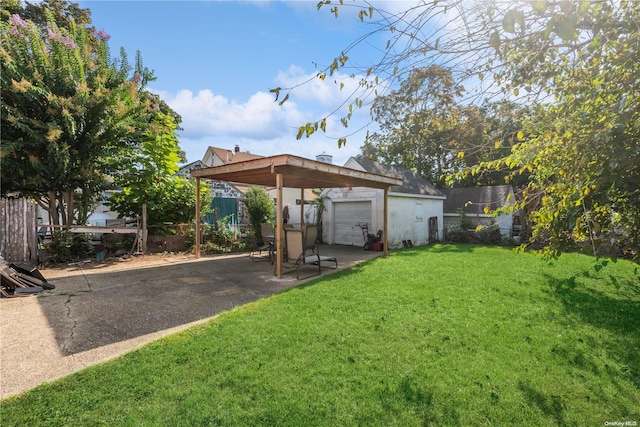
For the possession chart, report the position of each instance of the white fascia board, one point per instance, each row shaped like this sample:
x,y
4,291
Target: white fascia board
x,y
416,196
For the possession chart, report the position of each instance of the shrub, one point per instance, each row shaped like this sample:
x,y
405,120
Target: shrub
x,y
68,246
489,235
259,208
455,233
221,232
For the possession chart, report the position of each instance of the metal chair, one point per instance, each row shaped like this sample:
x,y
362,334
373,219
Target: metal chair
x,y
262,248
299,243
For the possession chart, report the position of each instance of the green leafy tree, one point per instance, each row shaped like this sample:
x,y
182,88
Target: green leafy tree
x,y
581,149
149,178
495,127
259,208
76,122
66,107
422,126
320,204
575,63
62,11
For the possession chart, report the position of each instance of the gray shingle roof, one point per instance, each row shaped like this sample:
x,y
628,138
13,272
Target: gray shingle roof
x,y
185,171
412,183
492,196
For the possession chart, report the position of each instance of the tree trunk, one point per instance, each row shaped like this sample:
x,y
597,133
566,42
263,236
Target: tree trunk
x,y
69,197
83,208
53,212
61,210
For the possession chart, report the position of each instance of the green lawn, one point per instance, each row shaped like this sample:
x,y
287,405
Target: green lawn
x,y
440,335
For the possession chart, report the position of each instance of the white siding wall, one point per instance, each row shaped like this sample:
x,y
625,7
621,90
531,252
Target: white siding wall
x,y
409,219
408,216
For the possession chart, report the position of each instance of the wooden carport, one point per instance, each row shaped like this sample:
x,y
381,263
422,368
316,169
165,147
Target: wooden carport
x,y
290,171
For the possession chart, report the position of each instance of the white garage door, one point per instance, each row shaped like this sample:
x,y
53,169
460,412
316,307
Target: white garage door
x,y
347,216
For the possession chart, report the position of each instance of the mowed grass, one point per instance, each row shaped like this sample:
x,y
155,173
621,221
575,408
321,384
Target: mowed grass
x,y
440,335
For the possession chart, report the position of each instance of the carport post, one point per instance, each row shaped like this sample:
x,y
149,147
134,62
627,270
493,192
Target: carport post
x,y
384,226
279,229
198,217
301,207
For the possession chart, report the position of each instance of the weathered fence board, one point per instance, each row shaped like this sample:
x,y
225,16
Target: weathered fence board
x,y
18,237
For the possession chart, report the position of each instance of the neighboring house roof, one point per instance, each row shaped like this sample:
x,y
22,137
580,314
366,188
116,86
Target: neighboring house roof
x,y
473,200
225,156
412,183
185,171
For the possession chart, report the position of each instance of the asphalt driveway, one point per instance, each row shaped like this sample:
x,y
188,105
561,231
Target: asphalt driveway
x,y
99,311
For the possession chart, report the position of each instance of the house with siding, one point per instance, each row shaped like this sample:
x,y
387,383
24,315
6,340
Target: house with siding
x,y
215,156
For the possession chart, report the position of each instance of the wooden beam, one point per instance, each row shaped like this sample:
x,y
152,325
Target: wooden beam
x,y
96,229
300,171
312,178
93,229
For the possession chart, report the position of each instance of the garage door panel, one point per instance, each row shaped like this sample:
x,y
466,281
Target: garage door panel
x,y
347,216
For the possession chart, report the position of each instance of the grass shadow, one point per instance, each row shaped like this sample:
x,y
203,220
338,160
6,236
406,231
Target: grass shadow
x,y
619,317
410,393
551,406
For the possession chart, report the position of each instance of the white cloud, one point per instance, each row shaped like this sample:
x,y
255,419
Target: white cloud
x,y
327,93
262,126
206,113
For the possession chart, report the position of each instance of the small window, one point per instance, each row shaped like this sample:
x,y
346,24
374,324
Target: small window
x,y
419,212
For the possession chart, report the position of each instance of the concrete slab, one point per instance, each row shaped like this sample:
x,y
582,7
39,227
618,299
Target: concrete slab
x,y
99,311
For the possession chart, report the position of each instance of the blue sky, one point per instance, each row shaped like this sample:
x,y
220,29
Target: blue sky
x,y
216,61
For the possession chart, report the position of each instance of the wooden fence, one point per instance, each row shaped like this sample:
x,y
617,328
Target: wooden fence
x,y
18,237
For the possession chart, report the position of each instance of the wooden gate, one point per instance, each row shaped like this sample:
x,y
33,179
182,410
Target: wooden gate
x,y
18,237
433,229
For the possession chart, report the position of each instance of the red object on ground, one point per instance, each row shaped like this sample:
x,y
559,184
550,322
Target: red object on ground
x,y
377,246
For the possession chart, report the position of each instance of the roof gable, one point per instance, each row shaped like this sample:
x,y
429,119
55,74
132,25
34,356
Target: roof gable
x,y
412,183
225,156
473,200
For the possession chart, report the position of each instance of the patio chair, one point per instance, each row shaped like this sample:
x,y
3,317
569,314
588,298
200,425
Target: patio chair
x,y
310,232
262,249
296,250
274,251
310,235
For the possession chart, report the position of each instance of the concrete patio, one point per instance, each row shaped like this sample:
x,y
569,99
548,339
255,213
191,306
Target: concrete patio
x,y
101,310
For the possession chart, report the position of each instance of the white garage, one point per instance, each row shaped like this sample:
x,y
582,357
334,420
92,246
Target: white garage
x,y
415,209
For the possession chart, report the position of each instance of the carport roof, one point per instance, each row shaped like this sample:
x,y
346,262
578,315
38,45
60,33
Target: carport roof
x,y
297,172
